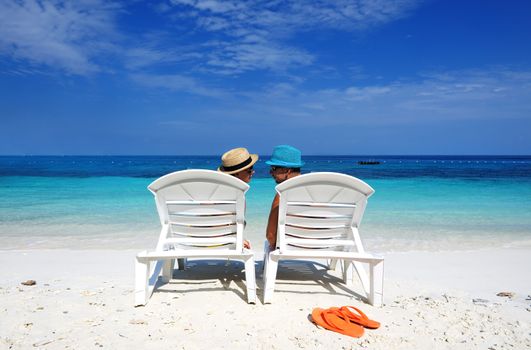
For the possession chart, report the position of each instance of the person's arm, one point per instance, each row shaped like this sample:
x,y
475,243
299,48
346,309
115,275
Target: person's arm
x,y
272,223
246,243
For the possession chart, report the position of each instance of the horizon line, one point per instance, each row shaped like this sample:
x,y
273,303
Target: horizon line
x,y
307,155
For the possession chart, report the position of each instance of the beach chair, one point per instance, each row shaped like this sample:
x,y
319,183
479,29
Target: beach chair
x,y
202,216
319,218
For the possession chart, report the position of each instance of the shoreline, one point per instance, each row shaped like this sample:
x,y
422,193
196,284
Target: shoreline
x,y
136,242
83,298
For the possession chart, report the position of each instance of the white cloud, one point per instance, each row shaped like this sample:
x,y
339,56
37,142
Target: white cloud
x,y
214,36
65,35
137,58
452,96
143,56
217,6
239,57
252,34
365,93
299,15
176,82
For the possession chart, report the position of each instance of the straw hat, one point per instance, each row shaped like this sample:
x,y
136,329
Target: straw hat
x,y
236,160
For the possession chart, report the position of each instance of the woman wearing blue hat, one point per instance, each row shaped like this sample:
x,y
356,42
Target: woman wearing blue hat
x,y
285,163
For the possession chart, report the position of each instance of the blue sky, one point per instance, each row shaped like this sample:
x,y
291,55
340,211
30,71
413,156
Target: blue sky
x,y
203,76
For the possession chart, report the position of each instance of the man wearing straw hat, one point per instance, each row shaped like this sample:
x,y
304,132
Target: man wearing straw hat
x,y
239,163
285,163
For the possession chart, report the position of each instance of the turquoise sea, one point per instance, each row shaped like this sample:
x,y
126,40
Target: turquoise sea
x,y
421,202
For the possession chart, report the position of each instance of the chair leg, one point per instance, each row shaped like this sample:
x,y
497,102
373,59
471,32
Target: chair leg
x,y
264,266
376,291
181,263
270,278
141,282
167,270
347,272
250,280
362,274
264,263
332,264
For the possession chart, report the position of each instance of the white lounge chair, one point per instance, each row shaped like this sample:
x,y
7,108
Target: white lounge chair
x,y
319,217
202,216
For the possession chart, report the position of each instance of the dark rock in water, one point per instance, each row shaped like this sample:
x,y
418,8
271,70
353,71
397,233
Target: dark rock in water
x,y
29,283
368,162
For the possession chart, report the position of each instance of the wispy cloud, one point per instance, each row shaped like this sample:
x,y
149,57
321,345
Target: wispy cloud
x,y
279,16
200,37
232,58
157,48
65,35
496,93
176,82
138,58
254,35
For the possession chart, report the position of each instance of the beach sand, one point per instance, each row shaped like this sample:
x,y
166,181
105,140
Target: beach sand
x,y
83,299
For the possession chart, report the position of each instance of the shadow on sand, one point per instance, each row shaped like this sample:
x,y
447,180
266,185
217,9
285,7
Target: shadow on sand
x,y
294,276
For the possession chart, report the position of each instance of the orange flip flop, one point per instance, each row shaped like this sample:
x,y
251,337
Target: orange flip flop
x,y
334,320
358,317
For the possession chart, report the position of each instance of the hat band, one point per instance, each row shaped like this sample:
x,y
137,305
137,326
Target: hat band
x,y
237,166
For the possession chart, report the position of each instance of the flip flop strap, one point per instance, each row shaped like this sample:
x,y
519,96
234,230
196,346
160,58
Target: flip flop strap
x,y
329,316
352,315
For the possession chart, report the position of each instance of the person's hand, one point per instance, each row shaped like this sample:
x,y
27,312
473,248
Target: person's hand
x,y
246,244
272,247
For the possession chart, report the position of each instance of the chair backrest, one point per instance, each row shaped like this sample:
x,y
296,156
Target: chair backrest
x,y
321,211
200,209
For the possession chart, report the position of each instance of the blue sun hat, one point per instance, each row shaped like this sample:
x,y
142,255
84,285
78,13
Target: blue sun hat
x,y
286,156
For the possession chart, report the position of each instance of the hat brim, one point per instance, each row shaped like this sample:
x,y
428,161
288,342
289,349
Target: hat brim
x,y
254,159
284,164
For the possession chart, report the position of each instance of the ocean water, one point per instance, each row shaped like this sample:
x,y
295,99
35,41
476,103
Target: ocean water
x,y
420,203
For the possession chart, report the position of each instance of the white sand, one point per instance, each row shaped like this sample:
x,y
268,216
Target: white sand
x,y
83,299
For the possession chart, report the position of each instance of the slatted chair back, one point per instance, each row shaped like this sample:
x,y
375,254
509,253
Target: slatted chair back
x,y
321,211
200,209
